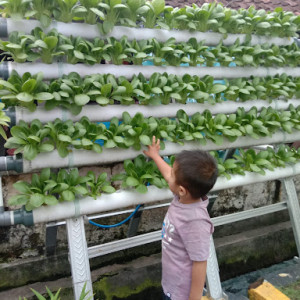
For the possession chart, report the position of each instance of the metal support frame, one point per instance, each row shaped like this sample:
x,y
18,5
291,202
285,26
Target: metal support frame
x,y
78,257
294,209
2,149
51,239
213,282
134,223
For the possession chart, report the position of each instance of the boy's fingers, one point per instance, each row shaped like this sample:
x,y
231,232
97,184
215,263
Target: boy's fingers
x,y
158,142
153,140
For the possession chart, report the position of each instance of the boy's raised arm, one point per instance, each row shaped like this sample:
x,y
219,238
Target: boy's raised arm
x,y
153,152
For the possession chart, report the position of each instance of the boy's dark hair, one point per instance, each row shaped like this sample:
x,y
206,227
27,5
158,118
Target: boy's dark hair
x,y
197,171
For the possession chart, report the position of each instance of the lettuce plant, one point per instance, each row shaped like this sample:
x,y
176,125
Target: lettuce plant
x,y
24,90
151,11
89,11
4,121
16,47
112,10
132,15
45,45
65,10
42,10
16,9
139,173
29,140
99,184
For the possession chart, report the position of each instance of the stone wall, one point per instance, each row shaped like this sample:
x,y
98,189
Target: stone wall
x,y
19,243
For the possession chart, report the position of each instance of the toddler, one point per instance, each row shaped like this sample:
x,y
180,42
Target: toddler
x,y
187,227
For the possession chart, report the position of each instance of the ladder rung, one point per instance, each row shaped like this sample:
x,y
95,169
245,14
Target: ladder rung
x,y
147,238
127,243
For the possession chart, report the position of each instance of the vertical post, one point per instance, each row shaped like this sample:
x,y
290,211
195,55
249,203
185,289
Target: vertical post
x,y
213,281
78,256
51,238
294,209
134,223
1,197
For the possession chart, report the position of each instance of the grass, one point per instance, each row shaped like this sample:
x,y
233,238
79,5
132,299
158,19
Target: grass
x,y
292,291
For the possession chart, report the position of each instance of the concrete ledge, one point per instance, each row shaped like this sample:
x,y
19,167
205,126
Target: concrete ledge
x,y
266,291
254,249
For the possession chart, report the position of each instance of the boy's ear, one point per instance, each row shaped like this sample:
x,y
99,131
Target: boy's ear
x,y
182,191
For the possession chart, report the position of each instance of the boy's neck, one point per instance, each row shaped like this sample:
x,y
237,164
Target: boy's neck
x,y
188,199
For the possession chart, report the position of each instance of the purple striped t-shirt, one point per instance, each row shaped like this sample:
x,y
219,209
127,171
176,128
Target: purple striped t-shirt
x,y
185,238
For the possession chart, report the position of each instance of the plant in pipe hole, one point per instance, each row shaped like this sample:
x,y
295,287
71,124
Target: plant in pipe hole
x,y
25,90
139,173
89,11
4,121
151,11
42,11
98,185
113,13
45,46
65,10
16,9
16,47
30,140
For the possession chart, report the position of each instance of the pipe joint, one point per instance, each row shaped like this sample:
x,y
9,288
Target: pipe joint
x,y
22,216
5,219
3,27
11,163
4,73
11,113
297,41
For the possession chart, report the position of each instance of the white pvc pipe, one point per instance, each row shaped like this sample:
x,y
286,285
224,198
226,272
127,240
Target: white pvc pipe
x,y
92,31
121,199
81,158
57,70
97,113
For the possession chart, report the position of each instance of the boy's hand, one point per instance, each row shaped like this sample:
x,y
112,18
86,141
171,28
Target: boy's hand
x,y
153,150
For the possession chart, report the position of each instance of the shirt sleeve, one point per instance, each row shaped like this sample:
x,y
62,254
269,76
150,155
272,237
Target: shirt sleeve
x,y
195,236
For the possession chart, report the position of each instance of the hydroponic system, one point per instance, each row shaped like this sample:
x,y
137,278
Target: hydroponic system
x,y
196,77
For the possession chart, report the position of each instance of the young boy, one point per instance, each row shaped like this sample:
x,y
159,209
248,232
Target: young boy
x,y
187,227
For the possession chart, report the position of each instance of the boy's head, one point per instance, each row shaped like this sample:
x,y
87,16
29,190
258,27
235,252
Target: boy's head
x,y
196,171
